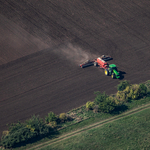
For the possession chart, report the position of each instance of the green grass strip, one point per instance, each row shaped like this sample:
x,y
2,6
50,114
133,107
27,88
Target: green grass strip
x,y
133,111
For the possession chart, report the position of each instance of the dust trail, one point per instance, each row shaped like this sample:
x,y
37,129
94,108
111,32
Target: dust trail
x,y
75,54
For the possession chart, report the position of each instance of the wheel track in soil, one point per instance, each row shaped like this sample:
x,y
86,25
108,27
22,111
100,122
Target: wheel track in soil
x,y
67,76
89,127
53,82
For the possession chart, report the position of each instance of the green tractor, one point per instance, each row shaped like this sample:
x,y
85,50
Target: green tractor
x,y
112,70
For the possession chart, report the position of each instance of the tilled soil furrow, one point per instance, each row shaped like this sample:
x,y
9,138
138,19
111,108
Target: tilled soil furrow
x,y
53,81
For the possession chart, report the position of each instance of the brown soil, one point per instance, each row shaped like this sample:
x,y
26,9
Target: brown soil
x,y
43,42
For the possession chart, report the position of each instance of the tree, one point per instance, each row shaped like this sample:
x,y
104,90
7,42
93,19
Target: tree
x,y
143,89
36,123
133,92
123,85
100,97
90,105
106,104
63,117
23,132
122,96
51,117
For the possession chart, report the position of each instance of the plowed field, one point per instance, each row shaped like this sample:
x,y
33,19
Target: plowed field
x,y
42,44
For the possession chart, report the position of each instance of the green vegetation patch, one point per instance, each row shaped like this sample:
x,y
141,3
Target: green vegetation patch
x,y
131,132
37,130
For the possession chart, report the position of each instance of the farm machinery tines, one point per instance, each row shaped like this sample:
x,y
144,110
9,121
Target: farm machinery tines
x,y
101,62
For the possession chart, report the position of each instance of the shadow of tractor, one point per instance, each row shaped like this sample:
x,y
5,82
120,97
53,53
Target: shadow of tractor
x,y
122,75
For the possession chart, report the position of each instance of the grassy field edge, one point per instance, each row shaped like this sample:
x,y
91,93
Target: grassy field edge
x,y
130,112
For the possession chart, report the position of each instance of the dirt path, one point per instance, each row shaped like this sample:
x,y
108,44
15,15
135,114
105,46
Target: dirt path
x,y
95,125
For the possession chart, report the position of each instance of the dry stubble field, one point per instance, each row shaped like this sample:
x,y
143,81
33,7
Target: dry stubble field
x,y
43,42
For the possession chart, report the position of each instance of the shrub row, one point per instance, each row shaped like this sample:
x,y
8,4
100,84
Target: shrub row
x,y
23,132
133,92
52,119
37,127
126,92
33,128
103,103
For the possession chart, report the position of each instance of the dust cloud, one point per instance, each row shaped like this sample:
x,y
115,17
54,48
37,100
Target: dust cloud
x,y
75,54
16,42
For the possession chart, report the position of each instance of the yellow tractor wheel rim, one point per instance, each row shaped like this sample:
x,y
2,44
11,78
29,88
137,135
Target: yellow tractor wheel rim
x,y
112,76
105,72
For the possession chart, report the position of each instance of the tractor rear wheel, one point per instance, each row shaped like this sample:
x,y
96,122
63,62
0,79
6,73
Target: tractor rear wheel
x,y
113,76
106,72
95,64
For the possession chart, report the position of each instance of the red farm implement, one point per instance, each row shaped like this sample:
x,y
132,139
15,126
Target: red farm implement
x,y
101,62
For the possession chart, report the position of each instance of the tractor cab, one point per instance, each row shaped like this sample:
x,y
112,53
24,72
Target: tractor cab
x,y
113,67
113,71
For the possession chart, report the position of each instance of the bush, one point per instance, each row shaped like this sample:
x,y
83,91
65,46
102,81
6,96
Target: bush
x,y
23,132
131,92
116,101
53,124
123,85
15,126
18,136
121,95
106,104
147,84
134,92
5,133
100,97
143,89
63,117
90,105
51,117
37,124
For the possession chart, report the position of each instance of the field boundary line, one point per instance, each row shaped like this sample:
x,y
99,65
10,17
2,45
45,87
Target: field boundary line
x,y
94,125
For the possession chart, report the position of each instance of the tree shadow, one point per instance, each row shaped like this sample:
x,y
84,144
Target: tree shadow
x,y
52,134
119,109
148,94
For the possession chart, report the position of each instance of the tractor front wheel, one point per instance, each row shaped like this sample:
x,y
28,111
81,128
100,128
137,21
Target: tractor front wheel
x,y
106,72
113,76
